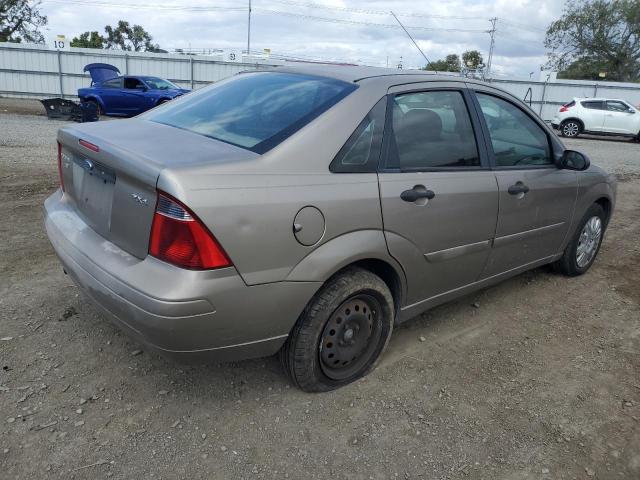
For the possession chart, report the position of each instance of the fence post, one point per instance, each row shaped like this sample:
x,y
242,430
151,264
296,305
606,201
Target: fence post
x,y
126,64
60,73
544,90
595,90
191,68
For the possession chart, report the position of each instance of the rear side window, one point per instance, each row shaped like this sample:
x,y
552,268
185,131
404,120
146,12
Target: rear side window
x,y
517,140
431,130
593,105
362,151
256,111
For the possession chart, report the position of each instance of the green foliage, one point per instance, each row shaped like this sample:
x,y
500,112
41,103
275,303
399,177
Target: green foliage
x,y
595,36
130,38
89,40
20,20
450,64
471,59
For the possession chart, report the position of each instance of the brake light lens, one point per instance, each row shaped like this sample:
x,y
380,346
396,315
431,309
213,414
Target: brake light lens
x,y
60,166
564,109
180,238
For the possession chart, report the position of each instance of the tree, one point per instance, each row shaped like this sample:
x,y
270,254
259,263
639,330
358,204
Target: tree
x,y
89,40
130,38
450,64
601,34
472,59
20,20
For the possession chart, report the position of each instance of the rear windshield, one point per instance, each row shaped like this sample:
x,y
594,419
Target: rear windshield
x,y
256,111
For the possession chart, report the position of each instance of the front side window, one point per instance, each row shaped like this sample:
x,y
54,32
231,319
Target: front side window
x,y
159,83
516,138
616,106
431,130
255,111
132,83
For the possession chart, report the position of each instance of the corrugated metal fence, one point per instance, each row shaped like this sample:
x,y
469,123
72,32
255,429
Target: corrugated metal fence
x,y
33,71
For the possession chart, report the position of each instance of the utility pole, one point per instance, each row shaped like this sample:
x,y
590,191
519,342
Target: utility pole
x,y
249,30
491,32
409,35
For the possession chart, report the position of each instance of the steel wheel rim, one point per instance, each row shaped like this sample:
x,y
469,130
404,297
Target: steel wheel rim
x,y
570,129
589,241
350,337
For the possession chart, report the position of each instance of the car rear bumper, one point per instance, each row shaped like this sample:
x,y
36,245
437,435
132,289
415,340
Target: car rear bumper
x,y
192,315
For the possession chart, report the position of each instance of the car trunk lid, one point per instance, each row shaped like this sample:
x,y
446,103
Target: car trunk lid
x,y
110,170
101,71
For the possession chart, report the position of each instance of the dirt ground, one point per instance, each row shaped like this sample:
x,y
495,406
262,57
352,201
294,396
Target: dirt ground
x,y
536,378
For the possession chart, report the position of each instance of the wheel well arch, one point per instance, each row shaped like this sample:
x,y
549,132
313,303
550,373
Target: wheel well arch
x,y
162,100
605,203
577,120
386,272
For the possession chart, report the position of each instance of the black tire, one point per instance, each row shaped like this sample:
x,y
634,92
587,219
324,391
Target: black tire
x,y
568,264
309,354
570,128
99,111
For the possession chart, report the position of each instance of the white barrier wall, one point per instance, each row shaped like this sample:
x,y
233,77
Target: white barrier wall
x,y
33,71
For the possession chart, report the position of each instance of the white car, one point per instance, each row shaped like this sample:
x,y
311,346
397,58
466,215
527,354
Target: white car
x,y
600,116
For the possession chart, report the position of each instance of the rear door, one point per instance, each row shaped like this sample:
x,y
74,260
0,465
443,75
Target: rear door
x,y
620,118
110,93
439,198
536,198
593,115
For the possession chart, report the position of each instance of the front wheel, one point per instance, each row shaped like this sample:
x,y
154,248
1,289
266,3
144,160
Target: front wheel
x,y
342,332
570,128
585,244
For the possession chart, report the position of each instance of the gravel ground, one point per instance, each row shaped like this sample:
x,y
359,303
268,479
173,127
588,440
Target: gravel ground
x,y
536,378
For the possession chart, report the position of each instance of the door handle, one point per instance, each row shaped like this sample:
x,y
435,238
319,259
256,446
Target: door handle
x,y
518,188
416,193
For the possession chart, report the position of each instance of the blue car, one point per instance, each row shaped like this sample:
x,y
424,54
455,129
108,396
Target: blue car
x,y
125,96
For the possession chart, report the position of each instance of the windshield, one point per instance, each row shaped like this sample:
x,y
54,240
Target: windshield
x,y
255,111
159,83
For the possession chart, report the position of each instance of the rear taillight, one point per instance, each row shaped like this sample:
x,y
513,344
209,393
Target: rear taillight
x,y
60,166
180,238
564,109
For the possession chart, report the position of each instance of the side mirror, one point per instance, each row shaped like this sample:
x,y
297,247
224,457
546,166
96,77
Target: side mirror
x,y
631,110
572,160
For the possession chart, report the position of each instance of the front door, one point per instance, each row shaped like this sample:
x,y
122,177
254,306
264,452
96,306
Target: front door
x,y
536,198
620,118
439,198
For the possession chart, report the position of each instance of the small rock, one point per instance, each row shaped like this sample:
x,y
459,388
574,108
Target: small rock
x,y
83,401
475,305
6,339
545,471
422,339
628,404
204,456
6,450
204,435
79,423
175,424
11,420
79,411
223,448
589,472
163,392
136,352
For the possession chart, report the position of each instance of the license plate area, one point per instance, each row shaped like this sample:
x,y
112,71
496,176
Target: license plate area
x,y
94,186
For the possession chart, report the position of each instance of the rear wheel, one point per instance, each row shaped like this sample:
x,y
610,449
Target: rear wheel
x,y
585,244
341,333
96,105
570,128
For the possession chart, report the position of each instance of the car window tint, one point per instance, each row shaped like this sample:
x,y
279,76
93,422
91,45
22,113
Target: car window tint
x,y
159,83
593,105
113,83
132,83
516,138
432,130
255,111
617,106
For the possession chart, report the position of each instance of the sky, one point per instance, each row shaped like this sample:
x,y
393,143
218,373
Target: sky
x,y
353,31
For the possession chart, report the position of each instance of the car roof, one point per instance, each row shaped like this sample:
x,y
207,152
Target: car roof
x,y
599,99
355,73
